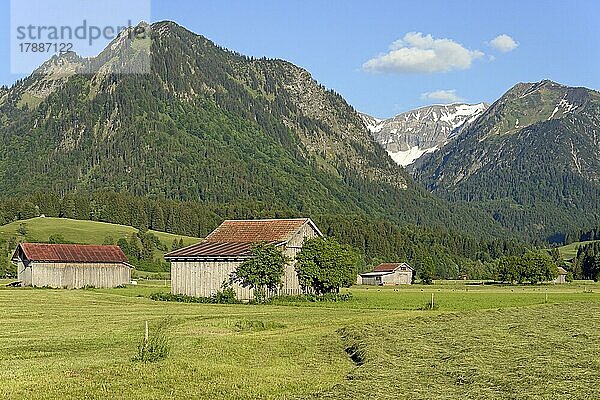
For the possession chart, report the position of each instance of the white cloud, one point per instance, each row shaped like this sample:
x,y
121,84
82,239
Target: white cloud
x,y
443,96
504,43
419,53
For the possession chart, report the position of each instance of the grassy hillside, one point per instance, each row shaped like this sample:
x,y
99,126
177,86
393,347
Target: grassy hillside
x,y
80,344
78,231
570,251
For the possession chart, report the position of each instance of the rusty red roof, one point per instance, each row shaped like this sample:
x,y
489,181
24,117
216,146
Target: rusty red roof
x,y
253,231
71,253
389,267
215,250
234,238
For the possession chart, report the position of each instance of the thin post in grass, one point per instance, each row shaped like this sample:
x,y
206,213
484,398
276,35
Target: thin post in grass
x,y
546,298
146,333
432,300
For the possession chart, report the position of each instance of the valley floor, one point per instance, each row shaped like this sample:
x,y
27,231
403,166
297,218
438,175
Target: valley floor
x,y
480,342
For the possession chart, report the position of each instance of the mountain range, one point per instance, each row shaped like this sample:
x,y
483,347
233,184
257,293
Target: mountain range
x,y
532,159
211,126
205,125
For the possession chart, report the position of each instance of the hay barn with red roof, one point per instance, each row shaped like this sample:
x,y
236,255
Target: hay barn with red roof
x,y
201,269
71,266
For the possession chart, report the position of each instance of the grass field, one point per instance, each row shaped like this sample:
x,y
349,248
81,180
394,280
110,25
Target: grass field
x,y
570,251
488,342
79,231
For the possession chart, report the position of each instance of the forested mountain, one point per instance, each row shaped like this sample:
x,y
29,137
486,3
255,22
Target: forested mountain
x,y
532,160
408,136
205,125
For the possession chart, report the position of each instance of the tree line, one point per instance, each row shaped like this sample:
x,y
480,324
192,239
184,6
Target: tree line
x,y
445,253
586,264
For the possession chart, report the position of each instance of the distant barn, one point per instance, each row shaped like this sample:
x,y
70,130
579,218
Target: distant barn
x,y
71,266
562,275
388,274
201,269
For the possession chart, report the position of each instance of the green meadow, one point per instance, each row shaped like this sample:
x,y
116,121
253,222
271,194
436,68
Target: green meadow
x,y
39,230
79,231
569,251
478,342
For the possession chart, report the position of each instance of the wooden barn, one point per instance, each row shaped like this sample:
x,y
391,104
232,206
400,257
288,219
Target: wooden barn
x,y
71,266
388,274
562,276
201,269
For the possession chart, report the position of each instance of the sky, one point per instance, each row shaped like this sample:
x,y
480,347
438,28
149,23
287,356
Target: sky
x,y
383,57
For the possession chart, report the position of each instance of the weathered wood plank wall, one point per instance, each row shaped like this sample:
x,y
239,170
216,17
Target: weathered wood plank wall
x,y
75,275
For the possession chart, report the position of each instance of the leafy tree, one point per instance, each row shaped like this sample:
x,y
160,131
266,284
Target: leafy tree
x,y
425,269
539,267
148,246
7,269
7,247
28,210
124,245
532,267
325,266
57,238
22,229
177,244
263,271
135,247
507,269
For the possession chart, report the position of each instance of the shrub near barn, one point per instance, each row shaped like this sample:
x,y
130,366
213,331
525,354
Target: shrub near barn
x,y
263,272
324,266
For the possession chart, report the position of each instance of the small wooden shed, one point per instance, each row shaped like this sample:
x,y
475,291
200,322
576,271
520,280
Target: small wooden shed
x,y
388,274
201,269
562,275
71,266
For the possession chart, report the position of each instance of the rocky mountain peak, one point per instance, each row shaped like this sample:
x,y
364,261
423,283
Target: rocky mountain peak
x,y
526,104
408,136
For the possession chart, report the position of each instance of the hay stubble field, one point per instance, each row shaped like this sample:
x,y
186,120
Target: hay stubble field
x,y
501,342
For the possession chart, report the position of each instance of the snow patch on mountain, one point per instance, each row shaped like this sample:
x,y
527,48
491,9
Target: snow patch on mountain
x,y
410,135
407,157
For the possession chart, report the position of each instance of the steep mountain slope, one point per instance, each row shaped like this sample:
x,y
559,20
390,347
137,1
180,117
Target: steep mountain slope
x,y
206,125
410,135
533,158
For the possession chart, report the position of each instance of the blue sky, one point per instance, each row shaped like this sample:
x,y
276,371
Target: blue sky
x,y
448,55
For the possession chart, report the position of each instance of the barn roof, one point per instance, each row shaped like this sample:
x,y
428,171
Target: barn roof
x,y
261,230
234,238
380,273
389,267
70,253
562,271
215,250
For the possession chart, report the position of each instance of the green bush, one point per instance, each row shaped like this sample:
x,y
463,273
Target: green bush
x,y
227,296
